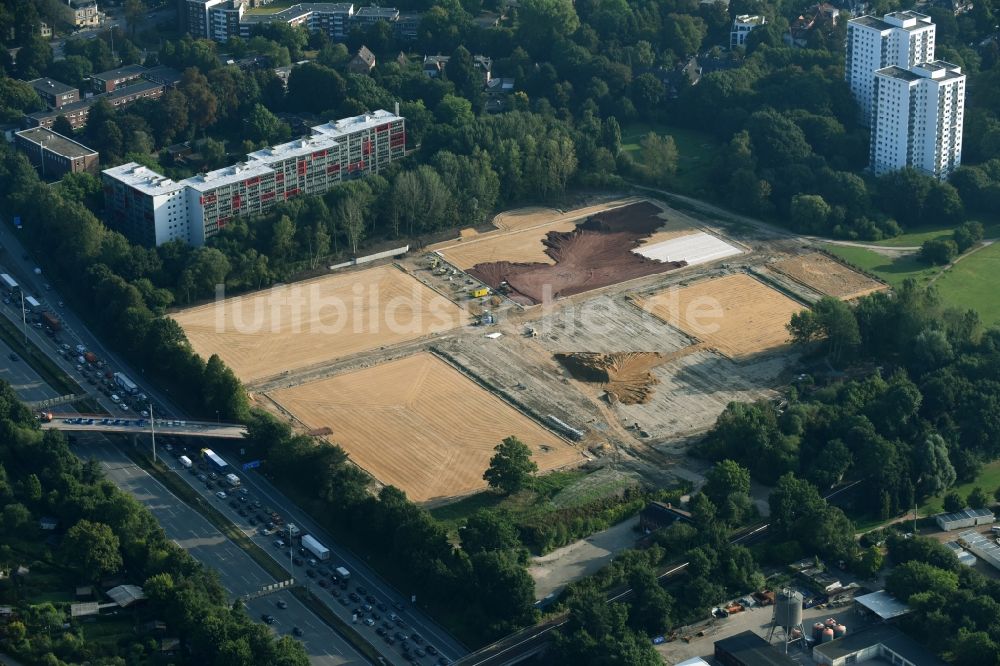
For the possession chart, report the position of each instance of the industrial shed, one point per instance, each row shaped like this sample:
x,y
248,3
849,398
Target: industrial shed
x,y
964,518
881,605
981,546
964,556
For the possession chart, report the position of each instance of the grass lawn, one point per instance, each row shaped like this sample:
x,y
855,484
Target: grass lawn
x,y
915,237
988,480
696,153
893,271
974,283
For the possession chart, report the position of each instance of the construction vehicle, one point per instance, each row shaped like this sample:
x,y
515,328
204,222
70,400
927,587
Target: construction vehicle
x,y
480,293
530,332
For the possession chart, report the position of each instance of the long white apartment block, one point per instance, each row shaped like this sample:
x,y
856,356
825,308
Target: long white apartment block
x,y
902,39
918,118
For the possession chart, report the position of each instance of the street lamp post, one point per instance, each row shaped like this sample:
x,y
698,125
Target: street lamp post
x,y
152,429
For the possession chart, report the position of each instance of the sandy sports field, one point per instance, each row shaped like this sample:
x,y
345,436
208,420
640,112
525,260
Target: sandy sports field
x,y
736,314
296,326
420,425
518,237
827,276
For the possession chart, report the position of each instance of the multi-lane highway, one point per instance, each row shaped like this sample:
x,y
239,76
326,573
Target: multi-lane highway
x,y
239,574
100,423
19,374
17,263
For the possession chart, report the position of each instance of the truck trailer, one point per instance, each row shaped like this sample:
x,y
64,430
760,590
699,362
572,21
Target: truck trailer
x,y
52,321
319,551
127,384
214,460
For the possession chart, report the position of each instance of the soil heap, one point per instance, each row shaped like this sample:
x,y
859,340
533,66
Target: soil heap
x,y
626,376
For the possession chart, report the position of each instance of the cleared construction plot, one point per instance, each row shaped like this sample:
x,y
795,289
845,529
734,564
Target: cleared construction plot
x,y
297,326
827,276
518,237
693,248
420,425
693,390
735,314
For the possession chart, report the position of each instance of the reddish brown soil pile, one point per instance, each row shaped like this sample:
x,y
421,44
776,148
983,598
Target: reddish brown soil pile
x,y
595,254
625,376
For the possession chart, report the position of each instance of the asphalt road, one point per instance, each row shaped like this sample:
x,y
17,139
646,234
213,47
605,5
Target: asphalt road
x,y
29,386
238,573
13,261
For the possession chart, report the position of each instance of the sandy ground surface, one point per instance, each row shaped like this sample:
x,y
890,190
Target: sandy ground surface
x,y
562,566
820,272
736,314
420,425
518,237
295,326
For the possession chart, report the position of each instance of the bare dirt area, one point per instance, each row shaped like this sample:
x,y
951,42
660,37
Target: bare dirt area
x,y
827,276
693,390
518,237
420,425
293,327
597,253
736,314
625,376
581,558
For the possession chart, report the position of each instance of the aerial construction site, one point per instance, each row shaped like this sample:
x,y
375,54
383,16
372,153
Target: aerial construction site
x,y
614,333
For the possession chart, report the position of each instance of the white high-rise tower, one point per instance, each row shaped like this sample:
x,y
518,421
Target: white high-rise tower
x,y
902,39
918,118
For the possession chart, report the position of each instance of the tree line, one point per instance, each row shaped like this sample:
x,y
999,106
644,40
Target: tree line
x,y
103,533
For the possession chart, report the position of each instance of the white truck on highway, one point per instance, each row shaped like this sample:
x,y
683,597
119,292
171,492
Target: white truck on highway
x,y
127,384
319,551
233,480
343,573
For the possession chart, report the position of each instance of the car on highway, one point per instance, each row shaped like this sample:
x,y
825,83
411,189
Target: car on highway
x,y
369,622
282,604
221,494
297,561
268,619
279,543
354,596
12,356
297,631
431,650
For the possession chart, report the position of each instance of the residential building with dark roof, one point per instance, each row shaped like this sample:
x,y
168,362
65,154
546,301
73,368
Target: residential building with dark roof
x,y
55,155
117,78
363,62
78,112
55,94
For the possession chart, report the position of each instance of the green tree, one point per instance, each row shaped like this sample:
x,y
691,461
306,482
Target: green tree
x,y
93,549
488,530
967,234
651,610
725,478
202,104
977,499
935,473
810,213
914,577
953,502
831,320
267,127
938,251
541,23
683,33
659,158
871,563
511,467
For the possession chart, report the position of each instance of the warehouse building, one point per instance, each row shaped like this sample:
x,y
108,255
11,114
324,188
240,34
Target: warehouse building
x,y
55,155
981,546
964,518
880,606
964,557
882,644
151,209
749,649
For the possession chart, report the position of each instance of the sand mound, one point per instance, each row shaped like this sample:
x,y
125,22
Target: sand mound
x,y
626,376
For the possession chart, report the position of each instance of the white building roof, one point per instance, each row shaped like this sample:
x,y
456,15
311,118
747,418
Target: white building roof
x,y
295,148
226,175
981,546
143,179
344,126
883,604
126,595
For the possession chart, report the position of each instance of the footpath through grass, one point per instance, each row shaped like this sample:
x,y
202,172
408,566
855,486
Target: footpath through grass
x,y
178,487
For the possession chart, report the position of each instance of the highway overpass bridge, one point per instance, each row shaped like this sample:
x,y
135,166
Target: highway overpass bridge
x,y
111,425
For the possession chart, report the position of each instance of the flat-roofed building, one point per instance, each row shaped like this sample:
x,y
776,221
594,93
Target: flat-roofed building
x,y
54,154
152,209
967,517
114,79
54,93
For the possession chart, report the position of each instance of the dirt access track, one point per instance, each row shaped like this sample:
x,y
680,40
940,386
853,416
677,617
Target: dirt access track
x,y
293,327
827,276
736,314
420,425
